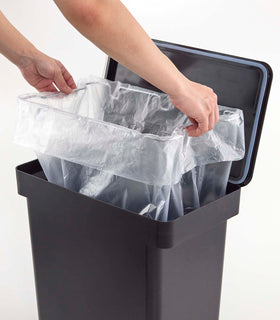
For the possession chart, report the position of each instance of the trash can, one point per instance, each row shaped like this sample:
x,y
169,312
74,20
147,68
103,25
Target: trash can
x,y
93,260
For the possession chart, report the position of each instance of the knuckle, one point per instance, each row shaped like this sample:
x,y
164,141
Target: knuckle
x,y
209,90
208,107
214,105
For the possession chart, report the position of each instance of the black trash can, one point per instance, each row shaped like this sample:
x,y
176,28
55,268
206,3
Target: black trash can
x,y
96,261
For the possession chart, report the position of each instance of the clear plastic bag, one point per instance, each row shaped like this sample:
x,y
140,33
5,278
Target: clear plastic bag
x,y
127,146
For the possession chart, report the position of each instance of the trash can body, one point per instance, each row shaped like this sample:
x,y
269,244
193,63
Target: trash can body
x,y
96,261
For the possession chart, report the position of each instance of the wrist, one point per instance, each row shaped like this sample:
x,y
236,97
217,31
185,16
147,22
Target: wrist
x,y
181,88
25,56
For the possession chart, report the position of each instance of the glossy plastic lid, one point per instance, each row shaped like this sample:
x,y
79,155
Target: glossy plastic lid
x,y
238,82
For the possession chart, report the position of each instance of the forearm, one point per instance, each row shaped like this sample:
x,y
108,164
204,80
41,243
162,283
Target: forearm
x,y
110,26
13,45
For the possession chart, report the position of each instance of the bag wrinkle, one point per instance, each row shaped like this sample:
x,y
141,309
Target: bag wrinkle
x,y
128,146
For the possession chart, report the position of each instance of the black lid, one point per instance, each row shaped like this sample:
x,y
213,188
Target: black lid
x,y
238,82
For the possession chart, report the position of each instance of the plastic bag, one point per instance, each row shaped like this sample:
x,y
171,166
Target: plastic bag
x,y
127,146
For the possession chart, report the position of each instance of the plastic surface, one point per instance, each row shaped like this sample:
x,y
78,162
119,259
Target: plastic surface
x,y
239,83
96,261
127,146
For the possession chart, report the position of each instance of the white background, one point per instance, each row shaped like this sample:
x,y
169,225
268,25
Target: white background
x,y
246,28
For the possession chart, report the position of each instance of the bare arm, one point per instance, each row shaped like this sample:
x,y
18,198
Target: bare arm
x,y
109,25
37,68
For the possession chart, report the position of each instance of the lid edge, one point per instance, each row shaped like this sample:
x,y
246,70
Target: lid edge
x,y
261,104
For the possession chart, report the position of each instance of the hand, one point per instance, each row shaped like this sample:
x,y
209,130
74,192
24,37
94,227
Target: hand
x,y
199,103
42,72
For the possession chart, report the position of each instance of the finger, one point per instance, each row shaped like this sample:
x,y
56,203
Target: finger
x,y
71,83
211,121
191,130
192,126
217,114
200,129
203,126
48,88
61,83
192,120
67,76
216,109
69,80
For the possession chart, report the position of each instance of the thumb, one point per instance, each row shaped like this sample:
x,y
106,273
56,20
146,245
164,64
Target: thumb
x,y
198,128
60,82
